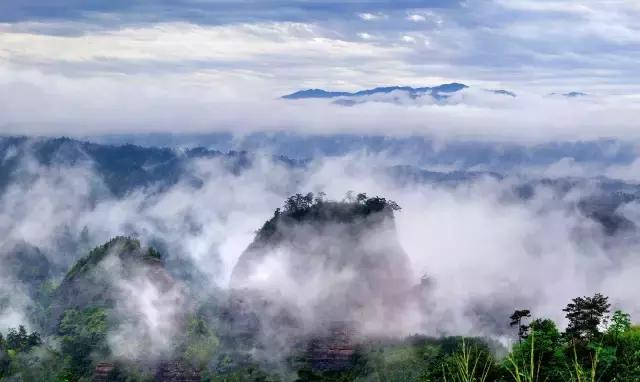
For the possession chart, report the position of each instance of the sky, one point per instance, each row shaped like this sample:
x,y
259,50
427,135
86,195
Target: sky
x,y
92,66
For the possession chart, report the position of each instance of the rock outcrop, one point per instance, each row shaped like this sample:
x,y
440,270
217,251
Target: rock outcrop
x,y
102,372
319,262
334,348
176,371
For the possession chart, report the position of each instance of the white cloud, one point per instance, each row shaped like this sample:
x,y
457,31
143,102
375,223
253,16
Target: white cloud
x,y
407,38
481,250
209,102
583,44
179,42
416,18
188,70
423,15
372,16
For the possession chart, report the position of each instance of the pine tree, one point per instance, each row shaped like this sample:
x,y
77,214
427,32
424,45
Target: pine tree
x,y
586,315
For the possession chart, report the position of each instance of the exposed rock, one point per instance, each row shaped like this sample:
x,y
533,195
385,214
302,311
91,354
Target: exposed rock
x,y
102,372
176,371
334,349
332,261
319,262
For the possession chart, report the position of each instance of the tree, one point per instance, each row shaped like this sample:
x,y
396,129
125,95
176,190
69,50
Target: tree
x,y
516,320
586,315
201,343
620,323
539,357
21,341
298,203
83,335
320,197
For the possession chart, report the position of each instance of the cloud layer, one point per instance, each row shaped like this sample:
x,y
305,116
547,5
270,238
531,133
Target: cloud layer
x,y
212,66
485,251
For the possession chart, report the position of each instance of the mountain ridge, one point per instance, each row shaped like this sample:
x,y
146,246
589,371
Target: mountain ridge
x,y
435,91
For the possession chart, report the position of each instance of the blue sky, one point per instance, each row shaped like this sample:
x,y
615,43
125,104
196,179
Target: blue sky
x,y
52,51
205,11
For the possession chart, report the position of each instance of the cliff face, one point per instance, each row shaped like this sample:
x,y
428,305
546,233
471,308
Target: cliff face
x,y
103,372
332,349
334,261
319,263
176,371
168,371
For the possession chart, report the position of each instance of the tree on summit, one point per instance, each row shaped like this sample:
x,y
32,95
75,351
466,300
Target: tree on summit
x,y
298,202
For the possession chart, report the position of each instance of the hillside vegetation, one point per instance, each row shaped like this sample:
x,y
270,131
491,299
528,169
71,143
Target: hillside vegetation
x,y
254,334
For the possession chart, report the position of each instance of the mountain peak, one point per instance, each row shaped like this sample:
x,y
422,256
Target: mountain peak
x,y
434,91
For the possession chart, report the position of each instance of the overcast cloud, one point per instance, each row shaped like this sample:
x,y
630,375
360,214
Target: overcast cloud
x,y
95,67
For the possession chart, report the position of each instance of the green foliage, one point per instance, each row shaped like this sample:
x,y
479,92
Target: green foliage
x,y
121,243
40,364
83,336
152,253
627,366
246,374
580,373
620,323
584,355
5,362
404,361
540,356
469,364
23,355
21,341
586,315
201,343
301,208
584,352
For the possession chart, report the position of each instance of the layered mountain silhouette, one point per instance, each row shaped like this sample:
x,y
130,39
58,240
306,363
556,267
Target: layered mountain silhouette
x,y
436,91
122,168
388,93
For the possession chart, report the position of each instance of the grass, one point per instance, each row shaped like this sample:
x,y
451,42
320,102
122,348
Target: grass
x,y
467,365
580,374
527,371
471,365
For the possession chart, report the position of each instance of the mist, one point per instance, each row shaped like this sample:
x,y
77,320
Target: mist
x,y
483,250
142,104
319,190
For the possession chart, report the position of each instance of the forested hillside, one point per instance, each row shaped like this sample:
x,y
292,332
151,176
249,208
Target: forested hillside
x,y
102,322
125,263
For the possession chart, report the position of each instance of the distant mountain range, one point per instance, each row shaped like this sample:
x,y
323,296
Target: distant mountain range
x,y
570,94
127,168
122,168
439,92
